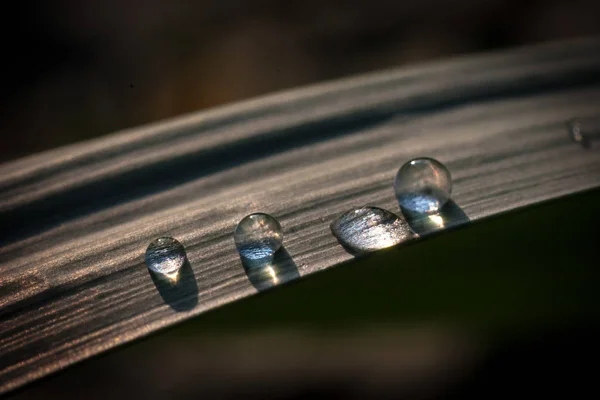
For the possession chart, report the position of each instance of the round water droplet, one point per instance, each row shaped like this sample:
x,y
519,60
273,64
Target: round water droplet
x,y
423,186
367,229
165,256
258,236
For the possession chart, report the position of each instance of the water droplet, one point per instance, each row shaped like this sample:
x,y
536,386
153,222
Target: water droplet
x,y
370,228
258,236
576,133
165,256
423,185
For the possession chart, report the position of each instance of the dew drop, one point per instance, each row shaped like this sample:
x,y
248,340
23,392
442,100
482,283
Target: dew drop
x,y
368,229
576,133
165,256
423,185
258,236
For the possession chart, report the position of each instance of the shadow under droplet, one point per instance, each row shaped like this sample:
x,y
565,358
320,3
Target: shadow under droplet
x,y
180,292
449,216
271,271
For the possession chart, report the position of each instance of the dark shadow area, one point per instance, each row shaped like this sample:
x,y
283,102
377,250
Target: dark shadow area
x,y
268,272
540,363
181,294
450,215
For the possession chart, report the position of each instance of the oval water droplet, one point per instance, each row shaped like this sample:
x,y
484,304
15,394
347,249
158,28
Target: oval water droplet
x,y
165,256
258,236
423,185
367,229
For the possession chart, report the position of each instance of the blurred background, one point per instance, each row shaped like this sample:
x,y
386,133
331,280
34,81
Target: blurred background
x,y
75,70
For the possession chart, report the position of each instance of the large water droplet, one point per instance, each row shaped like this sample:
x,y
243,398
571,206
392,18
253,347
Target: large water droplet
x,y
258,236
423,185
370,228
165,256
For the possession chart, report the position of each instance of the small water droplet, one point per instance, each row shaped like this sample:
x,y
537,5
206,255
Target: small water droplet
x,y
423,185
258,236
367,229
576,133
165,256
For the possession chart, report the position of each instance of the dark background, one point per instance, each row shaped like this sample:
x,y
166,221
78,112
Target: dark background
x,y
74,70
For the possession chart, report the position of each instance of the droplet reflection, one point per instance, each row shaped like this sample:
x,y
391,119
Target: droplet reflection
x,y
368,229
165,256
423,185
258,236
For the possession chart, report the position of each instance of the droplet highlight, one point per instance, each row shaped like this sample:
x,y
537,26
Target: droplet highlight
x,y
367,229
165,256
423,186
258,236
450,215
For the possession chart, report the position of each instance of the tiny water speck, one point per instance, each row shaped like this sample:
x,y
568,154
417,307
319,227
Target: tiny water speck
x,y
576,133
258,236
165,256
423,186
368,229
